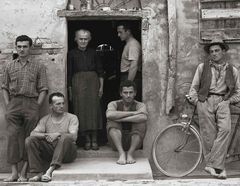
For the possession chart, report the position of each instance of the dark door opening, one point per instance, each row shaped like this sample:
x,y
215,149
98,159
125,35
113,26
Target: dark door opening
x,y
109,47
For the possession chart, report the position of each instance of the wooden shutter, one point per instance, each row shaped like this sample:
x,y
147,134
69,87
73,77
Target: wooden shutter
x,y
219,18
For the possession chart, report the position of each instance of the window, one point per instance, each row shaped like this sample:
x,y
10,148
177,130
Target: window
x,y
219,18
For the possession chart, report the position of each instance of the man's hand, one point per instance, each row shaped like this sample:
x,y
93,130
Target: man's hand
x,y
50,137
100,92
225,102
191,100
137,112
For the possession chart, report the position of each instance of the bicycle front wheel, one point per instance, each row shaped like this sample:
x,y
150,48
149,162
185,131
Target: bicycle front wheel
x,y
176,152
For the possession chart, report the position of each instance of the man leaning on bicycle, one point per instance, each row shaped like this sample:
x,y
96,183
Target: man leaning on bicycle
x,y
212,99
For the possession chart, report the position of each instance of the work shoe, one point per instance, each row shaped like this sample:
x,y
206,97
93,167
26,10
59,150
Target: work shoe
x,y
87,146
211,171
95,146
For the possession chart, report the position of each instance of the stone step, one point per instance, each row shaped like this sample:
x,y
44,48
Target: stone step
x,y
103,169
103,152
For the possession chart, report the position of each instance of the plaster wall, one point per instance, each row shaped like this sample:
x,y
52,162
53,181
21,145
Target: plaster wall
x,y
35,19
190,52
39,19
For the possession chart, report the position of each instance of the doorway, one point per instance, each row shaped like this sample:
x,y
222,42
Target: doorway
x,y
109,47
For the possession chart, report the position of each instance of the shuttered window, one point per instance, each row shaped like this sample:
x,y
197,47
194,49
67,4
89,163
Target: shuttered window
x,y
219,18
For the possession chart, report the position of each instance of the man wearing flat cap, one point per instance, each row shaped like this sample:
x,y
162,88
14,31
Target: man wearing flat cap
x,y
215,86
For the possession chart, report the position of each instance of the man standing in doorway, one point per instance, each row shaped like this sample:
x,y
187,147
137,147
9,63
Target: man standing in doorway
x,y
24,89
131,61
126,125
215,86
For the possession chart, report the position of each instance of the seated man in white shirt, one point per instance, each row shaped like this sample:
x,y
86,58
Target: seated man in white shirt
x,y
52,140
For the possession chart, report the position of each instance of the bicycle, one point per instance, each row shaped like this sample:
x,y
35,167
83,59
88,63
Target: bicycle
x,y
177,149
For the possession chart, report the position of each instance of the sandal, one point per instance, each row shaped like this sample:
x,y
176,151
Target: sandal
x,y
46,178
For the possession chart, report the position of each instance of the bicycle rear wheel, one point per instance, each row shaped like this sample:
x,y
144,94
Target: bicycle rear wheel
x,y
176,152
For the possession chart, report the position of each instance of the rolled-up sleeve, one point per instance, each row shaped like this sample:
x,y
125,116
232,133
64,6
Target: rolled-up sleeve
x,y
193,92
235,98
42,83
5,79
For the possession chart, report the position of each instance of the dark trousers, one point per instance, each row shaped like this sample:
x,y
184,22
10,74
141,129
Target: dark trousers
x,y
22,115
40,151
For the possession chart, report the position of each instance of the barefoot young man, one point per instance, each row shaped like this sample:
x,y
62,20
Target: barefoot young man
x,y
126,124
215,86
53,140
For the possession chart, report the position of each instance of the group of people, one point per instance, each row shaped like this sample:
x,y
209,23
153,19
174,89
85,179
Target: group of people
x,y
86,79
52,139
44,144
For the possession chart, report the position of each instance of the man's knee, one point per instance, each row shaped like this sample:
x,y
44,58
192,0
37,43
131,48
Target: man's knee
x,y
30,140
113,124
65,139
114,131
139,129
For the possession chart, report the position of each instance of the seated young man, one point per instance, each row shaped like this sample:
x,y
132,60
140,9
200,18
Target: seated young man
x,y
52,140
126,125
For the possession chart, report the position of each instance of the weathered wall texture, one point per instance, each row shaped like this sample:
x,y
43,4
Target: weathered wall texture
x,y
155,71
38,19
35,19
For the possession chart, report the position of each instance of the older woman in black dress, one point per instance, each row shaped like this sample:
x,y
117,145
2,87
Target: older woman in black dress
x,y
85,84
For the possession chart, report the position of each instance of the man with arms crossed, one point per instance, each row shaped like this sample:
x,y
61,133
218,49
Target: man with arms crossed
x,y
126,125
24,89
215,86
52,140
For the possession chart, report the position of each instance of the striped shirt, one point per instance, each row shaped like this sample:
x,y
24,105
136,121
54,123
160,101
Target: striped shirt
x,y
27,79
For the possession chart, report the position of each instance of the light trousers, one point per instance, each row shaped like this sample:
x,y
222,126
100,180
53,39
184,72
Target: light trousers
x,y
215,129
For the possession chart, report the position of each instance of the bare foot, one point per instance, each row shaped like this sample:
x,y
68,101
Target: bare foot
x,y
22,179
12,178
130,159
36,178
122,159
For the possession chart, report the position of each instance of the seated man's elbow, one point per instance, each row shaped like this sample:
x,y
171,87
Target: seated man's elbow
x,y
145,118
108,115
32,133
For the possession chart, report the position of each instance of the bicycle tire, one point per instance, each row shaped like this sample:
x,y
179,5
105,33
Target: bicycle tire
x,y
169,158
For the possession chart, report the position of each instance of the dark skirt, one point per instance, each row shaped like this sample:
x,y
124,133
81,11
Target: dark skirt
x,y
86,102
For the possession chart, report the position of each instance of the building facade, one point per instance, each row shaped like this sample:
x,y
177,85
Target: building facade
x,y
171,32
